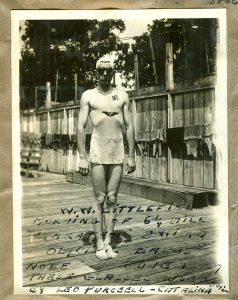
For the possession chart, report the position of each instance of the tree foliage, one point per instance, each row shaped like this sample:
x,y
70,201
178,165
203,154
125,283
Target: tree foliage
x,y
65,47
194,49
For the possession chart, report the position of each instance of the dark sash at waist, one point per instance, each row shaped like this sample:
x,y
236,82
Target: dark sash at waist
x,y
110,113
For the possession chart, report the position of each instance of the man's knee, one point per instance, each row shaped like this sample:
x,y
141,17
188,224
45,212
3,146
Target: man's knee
x,y
111,197
100,197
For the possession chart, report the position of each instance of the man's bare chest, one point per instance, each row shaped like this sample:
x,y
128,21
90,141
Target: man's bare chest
x,y
108,102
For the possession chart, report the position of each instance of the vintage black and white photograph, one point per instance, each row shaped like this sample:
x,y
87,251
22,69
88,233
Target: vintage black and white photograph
x,y
120,151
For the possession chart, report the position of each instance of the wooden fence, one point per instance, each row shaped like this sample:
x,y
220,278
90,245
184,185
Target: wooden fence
x,y
165,151
191,108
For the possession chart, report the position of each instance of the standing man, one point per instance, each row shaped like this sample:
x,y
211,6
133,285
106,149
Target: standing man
x,y
109,111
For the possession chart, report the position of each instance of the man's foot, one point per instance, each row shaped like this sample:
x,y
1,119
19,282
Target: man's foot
x,y
110,252
101,254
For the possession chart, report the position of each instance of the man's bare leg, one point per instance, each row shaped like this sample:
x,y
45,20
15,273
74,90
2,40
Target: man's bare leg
x,y
99,187
114,174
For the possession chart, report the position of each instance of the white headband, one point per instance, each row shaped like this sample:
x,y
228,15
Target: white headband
x,y
104,60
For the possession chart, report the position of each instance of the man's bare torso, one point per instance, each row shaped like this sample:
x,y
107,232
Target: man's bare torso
x,y
106,112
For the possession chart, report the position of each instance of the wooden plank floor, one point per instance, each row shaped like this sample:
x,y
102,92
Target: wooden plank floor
x,y
156,243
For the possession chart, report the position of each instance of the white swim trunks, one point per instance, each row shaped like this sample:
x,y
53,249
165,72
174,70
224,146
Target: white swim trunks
x,y
106,151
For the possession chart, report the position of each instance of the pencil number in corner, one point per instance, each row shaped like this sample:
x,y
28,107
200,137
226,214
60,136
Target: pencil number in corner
x,y
223,2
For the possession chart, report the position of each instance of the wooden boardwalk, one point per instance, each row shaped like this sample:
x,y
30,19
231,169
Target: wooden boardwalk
x,y
156,243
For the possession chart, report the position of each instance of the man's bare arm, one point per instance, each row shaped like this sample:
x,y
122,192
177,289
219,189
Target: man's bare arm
x,y
81,137
130,135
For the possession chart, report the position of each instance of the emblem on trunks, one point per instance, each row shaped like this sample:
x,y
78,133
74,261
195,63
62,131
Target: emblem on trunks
x,y
114,97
